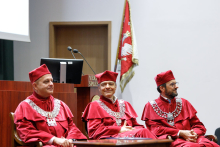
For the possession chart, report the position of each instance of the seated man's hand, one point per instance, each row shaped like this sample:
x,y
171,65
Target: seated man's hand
x,y
188,135
70,140
63,142
126,128
194,136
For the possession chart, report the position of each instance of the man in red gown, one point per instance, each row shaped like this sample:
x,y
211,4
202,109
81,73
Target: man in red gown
x,y
170,115
41,117
111,117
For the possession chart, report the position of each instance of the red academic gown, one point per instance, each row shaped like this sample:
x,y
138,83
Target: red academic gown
x,y
33,127
186,120
102,125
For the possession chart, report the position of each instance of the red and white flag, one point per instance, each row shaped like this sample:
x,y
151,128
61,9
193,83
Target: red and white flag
x,y
127,53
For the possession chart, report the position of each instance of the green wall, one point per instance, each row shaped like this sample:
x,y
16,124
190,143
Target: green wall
x,y
6,60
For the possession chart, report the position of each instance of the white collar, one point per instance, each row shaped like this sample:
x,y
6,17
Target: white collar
x,y
165,97
113,100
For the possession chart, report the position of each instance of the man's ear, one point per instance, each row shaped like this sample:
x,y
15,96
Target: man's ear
x,y
34,85
162,89
99,88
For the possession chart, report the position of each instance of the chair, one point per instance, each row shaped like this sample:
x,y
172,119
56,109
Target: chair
x,y
212,138
217,133
85,131
15,139
95,97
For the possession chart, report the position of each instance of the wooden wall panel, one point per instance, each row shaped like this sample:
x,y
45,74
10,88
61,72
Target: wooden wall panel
x,y
70,99
83,99
85,92
92,39
9,100
26,86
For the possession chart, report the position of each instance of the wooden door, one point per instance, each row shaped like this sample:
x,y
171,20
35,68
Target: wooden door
x,y
92,39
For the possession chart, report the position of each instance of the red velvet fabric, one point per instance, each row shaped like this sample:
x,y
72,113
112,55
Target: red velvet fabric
x,y
106,76
164,77
102,125
186,120
38,72
32,127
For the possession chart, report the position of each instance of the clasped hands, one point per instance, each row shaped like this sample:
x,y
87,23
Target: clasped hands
x,y
63,142
188,135
126,128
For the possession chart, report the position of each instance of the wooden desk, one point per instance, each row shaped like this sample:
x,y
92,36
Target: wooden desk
x,y
123,143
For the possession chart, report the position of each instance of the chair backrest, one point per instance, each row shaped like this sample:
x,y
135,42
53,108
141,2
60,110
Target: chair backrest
x,y
217,134
85,131
15,139
95,97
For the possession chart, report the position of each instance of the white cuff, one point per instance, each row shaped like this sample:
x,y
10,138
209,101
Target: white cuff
x,y
51,141
178,134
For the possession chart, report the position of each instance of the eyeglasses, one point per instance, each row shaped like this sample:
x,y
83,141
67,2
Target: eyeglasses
x,y
174,84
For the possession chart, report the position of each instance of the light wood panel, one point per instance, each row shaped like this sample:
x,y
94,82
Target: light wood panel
x,y
92,39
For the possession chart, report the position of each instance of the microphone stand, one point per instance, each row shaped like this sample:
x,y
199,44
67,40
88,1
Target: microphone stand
x,y
71,50
73,54
76,51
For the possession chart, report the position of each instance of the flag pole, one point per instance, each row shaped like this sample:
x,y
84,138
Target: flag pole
x,y
135,61
116,60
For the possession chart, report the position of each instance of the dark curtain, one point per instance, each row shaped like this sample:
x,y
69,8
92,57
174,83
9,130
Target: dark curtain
x,y
6,60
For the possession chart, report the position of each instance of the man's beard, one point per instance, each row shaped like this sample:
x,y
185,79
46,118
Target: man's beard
x,y
172,94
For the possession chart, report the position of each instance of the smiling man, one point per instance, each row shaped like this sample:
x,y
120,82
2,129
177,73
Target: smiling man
x,y
170,115
41,117
111,117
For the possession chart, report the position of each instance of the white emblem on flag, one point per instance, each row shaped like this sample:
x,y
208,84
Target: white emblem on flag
x,y
126,50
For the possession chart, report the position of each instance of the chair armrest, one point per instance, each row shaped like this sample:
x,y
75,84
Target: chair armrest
x,y
20,142
39,144
212,138
16,138
169,137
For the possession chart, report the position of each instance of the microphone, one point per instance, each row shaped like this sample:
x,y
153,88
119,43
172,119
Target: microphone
x,y
76,51
70,49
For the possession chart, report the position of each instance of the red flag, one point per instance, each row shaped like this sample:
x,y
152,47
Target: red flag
x,y
127,52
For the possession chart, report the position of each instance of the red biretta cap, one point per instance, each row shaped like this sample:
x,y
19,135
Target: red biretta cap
x,y
38,72
164,77
106,76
